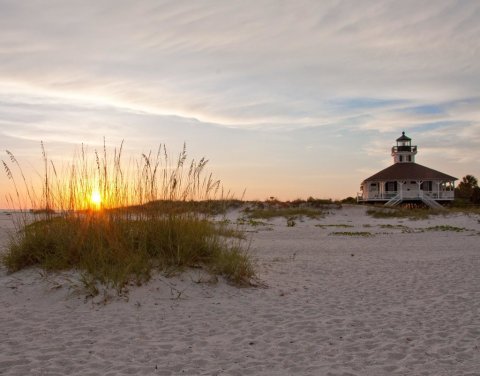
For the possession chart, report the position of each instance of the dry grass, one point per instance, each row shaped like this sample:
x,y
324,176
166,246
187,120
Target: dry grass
x,y
474,210
446,228
352,233
413,214
153,215
341,225
289,212
420,213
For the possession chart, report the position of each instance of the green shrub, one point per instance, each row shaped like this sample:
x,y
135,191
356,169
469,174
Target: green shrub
x,y
349,200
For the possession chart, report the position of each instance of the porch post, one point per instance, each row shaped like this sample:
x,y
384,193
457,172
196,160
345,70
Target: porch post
x,y
419,191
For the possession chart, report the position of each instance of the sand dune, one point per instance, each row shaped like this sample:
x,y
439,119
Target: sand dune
x,y
393,303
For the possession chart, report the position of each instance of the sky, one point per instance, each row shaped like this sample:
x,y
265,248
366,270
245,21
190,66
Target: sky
x,y
285,98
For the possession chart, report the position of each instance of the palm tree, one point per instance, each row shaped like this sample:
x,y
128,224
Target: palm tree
x,y
470,181
466,187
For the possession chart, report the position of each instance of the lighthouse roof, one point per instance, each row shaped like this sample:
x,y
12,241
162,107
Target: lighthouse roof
x,y
409,171
404,138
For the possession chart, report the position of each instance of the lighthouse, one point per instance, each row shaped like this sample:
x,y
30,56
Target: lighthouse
x,y
407,181
404,152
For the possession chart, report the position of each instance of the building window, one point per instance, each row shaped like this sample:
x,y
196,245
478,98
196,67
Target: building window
x,y
391,186
400,158
409,158
426,186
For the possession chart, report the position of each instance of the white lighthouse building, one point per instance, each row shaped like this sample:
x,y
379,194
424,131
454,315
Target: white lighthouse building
x,y
407,181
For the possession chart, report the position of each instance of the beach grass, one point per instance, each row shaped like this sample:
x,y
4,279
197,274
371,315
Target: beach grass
x,y
446,228
288,212
413,214
118,225
468,210
352,233
340,225
420,213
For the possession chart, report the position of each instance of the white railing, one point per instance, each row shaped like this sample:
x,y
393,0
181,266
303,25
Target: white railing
x,y
372,196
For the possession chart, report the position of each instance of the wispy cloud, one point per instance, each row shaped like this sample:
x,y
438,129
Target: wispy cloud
x,y
363,70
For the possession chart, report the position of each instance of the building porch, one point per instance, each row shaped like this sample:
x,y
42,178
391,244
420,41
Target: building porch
x,y
385,191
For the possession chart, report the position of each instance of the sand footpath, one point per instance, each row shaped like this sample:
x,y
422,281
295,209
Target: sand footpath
x,y
400,297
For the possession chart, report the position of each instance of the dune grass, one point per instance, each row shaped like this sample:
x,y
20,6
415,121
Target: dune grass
x,y
119,224
341,225
289,212
469,210
445,228
419,213
413,214
351,233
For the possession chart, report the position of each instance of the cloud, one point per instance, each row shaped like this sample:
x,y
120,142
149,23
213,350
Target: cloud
x,y
244,65
365,71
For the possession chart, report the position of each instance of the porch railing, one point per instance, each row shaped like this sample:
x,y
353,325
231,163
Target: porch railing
x,y
442,195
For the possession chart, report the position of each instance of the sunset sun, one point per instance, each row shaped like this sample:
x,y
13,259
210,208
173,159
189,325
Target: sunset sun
x,y
96,198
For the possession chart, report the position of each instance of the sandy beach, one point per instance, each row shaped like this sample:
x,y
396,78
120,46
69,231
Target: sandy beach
x,y
387,297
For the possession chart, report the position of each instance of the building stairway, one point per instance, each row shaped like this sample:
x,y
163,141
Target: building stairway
x,y
394,201
431,202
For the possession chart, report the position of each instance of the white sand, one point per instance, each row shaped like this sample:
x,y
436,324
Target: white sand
x,y
391,304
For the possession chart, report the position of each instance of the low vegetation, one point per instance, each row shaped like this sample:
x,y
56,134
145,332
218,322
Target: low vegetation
x,y
464,209
243,221
341,225
352,233
118,225
399,227
288,212
413,214
446,228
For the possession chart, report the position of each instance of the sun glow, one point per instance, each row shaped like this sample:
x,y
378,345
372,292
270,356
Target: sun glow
x,y
96,198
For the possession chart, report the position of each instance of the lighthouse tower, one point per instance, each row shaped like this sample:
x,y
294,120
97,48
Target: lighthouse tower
x,y
404,152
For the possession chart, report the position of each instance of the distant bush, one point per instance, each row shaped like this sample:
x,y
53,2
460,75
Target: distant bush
x,y
349,200
318,202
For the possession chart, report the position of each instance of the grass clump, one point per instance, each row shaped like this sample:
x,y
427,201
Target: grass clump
x,y
243,221
289,212
340,225
446,228
118,225
116,250
468,210
413,214
352,233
